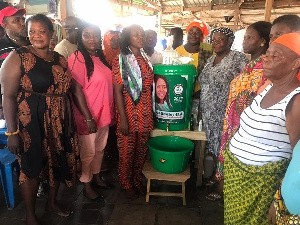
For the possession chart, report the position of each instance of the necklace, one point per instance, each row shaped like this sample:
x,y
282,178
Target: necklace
x,y
14,40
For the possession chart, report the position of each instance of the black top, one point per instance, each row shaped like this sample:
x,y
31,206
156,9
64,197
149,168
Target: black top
x,y
6,46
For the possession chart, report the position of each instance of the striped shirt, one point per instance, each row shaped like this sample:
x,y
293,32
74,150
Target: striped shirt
x,y
262,136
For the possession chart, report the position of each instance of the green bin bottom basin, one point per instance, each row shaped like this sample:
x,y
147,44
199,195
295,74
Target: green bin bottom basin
x,y
170,154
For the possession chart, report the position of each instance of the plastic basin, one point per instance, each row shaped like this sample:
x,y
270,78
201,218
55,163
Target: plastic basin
x,y
170,154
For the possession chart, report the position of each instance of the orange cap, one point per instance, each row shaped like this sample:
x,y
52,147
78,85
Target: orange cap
x,y
201,25
291,41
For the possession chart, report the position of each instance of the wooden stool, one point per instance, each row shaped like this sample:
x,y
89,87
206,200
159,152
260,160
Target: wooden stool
x,y
152,174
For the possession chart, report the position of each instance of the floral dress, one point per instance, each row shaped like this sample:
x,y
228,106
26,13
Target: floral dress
x,y
214,82
44,115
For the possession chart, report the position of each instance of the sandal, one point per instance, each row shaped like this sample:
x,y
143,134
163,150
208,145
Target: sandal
x,y
60,212
213,196
210,183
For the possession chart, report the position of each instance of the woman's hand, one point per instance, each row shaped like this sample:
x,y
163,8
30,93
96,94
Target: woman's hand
x,y
14,144
272,214
124,127
92,126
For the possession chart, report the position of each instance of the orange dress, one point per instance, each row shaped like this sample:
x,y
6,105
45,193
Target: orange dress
x,y
133,148
140,116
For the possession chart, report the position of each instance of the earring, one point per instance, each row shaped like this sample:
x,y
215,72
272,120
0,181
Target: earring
x,y
262,45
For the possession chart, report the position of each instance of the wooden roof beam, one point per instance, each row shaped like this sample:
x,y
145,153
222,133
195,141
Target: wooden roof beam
x,y
157,7
276,4
198,9
143,7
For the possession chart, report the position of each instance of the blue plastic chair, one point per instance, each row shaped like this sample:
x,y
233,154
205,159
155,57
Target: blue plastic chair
x,y
8,163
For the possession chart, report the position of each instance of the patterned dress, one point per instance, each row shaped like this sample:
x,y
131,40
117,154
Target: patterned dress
x,y
50,149
242,91
214,82
133,148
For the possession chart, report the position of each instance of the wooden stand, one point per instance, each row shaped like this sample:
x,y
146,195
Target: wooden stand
x,y
152,174
199,137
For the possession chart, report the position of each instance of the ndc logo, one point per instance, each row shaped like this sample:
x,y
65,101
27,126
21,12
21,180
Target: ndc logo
x,y
178,89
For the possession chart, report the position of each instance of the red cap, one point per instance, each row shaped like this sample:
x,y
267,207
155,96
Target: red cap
x,y
9,11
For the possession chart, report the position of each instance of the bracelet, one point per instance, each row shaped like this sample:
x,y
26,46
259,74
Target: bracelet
x,y
12,133
89,120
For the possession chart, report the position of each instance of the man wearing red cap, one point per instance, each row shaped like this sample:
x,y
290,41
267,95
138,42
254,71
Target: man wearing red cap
x,y
13,21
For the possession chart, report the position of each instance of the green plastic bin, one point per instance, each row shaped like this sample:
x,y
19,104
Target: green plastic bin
x,y
172,98
170,154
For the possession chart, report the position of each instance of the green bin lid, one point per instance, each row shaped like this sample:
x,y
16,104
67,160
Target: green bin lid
x,y
186,69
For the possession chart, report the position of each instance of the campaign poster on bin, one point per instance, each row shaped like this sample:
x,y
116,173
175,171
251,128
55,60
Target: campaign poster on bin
x,y
170,98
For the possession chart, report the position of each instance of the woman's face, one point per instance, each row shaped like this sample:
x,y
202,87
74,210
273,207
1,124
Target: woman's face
x,y
161,89
220,43
91,39
39,34
279,29
194,36
115,42
252,41
137,37
277,62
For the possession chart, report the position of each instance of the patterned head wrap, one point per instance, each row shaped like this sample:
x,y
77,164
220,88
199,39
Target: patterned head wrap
x,y
227,31
291,41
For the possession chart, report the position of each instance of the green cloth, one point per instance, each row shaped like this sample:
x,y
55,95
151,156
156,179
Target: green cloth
x,y
249,190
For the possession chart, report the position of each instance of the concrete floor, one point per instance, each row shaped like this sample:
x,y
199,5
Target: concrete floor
x,y
118,210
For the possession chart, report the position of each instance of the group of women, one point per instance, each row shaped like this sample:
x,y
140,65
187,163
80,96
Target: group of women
x,y
258,135
61,103
64,109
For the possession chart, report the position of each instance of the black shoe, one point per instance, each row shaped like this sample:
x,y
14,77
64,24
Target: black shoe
x,y
107,185
98,199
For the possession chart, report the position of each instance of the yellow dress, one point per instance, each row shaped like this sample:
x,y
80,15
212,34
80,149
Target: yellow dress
x,y
204,47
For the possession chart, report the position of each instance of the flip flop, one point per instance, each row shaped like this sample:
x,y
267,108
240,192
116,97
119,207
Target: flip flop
x,y
213,196
61,212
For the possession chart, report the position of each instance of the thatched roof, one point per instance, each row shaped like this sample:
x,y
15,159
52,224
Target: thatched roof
x,y
231,13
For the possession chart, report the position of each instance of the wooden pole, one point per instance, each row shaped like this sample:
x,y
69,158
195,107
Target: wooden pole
x,y
268,8
236,19
159,18
63,9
